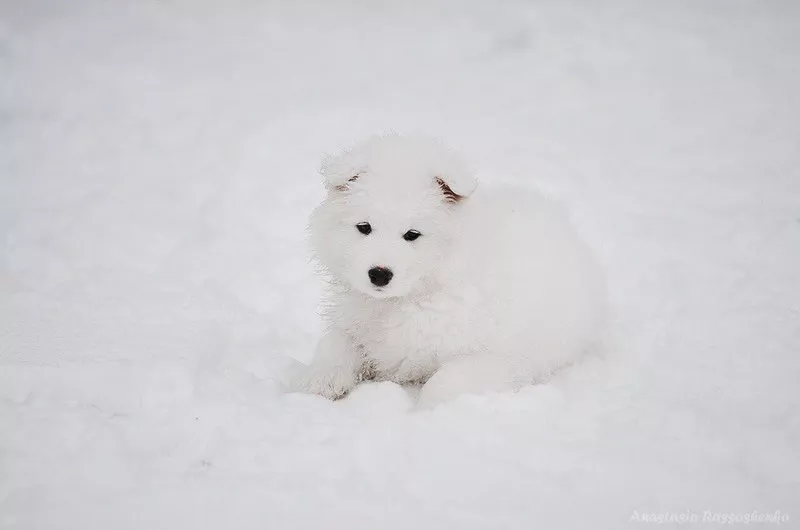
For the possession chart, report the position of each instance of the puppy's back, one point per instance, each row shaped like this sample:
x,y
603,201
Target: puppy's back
x,y
536,276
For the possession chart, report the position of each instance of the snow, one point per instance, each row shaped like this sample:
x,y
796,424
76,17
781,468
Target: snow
x,y
157,167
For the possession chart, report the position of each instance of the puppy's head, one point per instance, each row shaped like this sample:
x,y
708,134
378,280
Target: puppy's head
x,y
389,218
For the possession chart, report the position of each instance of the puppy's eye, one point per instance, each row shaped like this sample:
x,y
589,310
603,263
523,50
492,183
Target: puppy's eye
x,y
364,228
411,235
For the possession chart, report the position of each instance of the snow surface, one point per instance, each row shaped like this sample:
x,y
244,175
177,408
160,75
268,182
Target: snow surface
x,y
157,166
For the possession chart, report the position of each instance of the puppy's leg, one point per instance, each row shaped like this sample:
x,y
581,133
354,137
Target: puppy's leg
x,y
335,368
471,375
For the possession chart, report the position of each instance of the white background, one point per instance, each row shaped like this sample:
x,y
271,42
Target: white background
x,y
157,167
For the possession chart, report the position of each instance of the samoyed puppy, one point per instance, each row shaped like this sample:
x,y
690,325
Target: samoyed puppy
x,y
434,281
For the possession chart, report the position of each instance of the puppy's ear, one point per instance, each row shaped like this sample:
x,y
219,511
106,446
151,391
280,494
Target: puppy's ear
x,y
338,171
456,186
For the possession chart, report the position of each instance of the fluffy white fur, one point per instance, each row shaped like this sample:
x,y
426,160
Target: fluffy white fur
x,y
497,292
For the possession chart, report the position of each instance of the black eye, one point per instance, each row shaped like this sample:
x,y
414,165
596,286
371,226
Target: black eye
x,y
364,228
411,235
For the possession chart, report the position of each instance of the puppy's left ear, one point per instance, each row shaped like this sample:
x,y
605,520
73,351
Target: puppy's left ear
x,y
338,171
456,185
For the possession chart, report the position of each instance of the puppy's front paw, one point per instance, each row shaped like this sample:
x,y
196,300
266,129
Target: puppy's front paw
x,y
470,375
331,383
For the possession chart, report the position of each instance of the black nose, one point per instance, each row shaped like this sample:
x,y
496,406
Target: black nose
x,y
380,276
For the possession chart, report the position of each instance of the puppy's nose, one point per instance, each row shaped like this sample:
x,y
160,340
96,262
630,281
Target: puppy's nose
x,y
380,276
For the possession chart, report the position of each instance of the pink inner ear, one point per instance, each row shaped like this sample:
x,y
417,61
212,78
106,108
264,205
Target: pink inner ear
x,y
449,195
343,187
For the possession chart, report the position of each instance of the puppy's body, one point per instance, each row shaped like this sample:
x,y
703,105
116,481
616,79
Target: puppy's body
x,y
495,292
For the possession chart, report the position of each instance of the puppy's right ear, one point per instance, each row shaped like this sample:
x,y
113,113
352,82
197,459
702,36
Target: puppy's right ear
x,y
338,171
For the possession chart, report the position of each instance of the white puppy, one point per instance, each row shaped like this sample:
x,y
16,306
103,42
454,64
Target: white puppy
x,y
430,282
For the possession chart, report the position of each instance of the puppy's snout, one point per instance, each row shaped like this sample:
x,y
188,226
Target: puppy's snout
x,y
380,276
